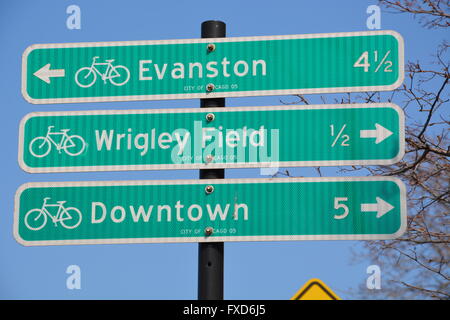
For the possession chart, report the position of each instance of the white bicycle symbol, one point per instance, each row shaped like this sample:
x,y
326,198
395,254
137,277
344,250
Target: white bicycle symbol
x,y
36,219
117,75
72,145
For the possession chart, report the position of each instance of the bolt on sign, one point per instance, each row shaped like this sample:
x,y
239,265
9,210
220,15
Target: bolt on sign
x,y
215,67
350,208
313,135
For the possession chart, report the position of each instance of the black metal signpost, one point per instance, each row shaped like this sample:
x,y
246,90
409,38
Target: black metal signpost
x,y
210,254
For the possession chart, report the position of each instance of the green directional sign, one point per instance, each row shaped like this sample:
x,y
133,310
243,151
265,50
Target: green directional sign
x,y
283,136
210,210
207,68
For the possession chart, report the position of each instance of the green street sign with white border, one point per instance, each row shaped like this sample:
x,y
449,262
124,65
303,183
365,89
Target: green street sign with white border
x,y
234,67
93,212
277,136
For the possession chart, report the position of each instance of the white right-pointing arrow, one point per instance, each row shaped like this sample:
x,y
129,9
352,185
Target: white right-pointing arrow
x,y
379,133
381,207
45,73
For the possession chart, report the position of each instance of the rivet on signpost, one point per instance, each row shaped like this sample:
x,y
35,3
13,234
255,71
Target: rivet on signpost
x,y
209,158
209,189
210,87
210,117
211,47
208,231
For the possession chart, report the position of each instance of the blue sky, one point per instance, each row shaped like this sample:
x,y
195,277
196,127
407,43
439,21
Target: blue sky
x,y
260,270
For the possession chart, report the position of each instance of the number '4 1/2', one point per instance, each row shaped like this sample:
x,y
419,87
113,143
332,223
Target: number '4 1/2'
x,y
363,61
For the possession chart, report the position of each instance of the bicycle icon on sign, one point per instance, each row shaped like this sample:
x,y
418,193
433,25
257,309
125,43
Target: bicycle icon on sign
x,y
69,218
72,145
87,76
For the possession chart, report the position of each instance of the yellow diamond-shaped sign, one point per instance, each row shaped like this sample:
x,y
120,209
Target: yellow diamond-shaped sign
x,y
315,289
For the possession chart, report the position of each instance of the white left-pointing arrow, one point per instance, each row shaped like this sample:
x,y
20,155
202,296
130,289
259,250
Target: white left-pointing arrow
x,y
380,133
45,73
381,207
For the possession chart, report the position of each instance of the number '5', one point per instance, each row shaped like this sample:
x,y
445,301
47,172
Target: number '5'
x,y
338,205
